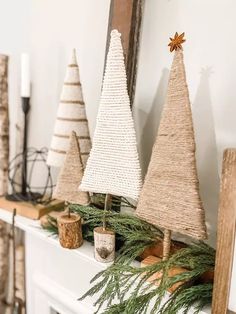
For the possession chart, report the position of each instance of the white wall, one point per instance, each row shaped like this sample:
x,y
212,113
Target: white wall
x,y
48,31
211,73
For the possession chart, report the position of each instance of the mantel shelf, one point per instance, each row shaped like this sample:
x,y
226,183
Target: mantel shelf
x,y
85,252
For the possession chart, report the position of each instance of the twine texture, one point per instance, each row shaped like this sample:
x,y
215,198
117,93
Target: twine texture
x,y
170,195
70,176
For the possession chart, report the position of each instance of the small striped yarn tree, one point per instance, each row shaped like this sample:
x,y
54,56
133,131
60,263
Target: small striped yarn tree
x,y
71,116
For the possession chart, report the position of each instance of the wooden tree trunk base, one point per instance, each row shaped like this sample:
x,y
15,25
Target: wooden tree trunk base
x,y
104,242
70,231
155,278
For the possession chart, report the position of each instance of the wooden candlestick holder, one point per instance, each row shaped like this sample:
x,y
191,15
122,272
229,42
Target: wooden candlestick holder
x,y
104,245
70,230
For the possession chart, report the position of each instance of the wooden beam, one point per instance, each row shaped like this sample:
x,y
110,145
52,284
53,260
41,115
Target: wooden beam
x,y
225,234
126,17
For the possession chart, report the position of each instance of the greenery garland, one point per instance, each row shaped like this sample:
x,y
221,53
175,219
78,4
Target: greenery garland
x,y
122,278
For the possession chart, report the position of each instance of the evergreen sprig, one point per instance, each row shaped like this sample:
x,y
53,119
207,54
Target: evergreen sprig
x,y
123,278
120,280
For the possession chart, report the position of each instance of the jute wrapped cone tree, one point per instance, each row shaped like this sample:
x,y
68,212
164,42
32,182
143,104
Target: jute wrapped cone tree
x,y
69,225
113,164
170,195
71,116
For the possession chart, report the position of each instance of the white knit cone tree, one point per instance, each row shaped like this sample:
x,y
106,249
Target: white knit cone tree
x,y
170,196
71,116
113,164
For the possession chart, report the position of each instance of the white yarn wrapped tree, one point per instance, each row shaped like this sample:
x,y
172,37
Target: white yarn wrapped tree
x,y
113,164
71,116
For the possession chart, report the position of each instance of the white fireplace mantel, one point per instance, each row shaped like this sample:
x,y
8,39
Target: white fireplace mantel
x,y
56,277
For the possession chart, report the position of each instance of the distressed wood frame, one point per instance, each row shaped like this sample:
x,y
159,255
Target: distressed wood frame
x,y
126,16
225,234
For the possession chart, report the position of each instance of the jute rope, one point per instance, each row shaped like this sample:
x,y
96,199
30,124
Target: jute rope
x,y
113,165
71,116
170,196
70,176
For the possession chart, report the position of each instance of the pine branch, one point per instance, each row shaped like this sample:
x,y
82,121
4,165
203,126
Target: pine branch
x,y
121,279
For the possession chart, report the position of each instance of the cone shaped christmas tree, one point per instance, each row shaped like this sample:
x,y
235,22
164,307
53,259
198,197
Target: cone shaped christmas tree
x,y
113,164
170,195
69,225
71,116
70,176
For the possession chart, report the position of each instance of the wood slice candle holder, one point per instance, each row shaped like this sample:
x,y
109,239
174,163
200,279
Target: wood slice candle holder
x,y
104,242
70,231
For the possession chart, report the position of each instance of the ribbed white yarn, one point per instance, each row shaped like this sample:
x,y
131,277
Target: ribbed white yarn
x,y
113,164
71,116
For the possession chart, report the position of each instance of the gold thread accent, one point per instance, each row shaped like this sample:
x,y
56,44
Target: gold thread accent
x,y
71,119
68,136
58,151
72,83
73,65
76,102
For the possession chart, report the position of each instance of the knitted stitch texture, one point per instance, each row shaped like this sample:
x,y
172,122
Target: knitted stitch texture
x,y
113,164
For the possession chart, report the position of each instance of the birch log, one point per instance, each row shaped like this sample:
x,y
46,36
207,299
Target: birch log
x,y
4,155
4,124
3,259
104,242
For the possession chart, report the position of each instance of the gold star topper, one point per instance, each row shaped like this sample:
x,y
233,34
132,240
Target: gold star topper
x,y
176,42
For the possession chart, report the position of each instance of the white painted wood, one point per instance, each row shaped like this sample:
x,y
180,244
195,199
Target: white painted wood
x,y
56,277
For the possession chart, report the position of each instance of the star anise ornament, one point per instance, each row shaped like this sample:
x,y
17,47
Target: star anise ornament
x,y
176,42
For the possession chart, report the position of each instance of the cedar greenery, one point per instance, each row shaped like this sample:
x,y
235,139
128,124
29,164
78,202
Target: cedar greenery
x,y
123,277
119,279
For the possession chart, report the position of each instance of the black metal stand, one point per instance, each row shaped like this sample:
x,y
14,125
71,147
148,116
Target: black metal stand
x,y
25,108
23,195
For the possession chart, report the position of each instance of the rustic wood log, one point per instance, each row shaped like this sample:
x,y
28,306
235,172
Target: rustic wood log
x,y
70,231
155,278
157,249
104,245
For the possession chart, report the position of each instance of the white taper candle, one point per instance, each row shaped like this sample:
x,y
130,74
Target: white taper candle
x,y
25,75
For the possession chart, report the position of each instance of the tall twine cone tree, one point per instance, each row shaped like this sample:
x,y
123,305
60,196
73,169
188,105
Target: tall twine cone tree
x,y
170,196
71,116
113,165
69,225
